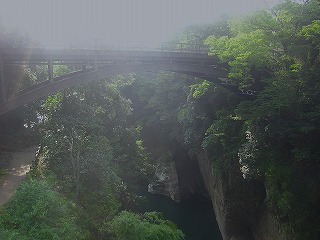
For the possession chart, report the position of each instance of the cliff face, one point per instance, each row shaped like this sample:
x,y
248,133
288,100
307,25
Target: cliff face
x,y
165,181
177,175
239,205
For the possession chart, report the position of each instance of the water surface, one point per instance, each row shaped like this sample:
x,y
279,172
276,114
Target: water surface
x,y
194,217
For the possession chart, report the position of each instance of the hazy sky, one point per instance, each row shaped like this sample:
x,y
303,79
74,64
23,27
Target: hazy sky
x,y
54,22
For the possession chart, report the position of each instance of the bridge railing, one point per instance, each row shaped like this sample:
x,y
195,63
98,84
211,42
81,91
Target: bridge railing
x,y
183,47
99,44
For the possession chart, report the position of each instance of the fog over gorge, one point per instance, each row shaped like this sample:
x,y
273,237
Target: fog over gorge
x,y
60,22
160,120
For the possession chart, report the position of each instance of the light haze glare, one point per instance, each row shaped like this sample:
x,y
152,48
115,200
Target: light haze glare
x,y
54,22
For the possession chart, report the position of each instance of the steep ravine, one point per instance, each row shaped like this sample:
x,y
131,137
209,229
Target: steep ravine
x,y
238,203
178,176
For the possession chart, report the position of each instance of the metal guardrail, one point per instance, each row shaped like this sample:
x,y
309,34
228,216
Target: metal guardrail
x,y
99,44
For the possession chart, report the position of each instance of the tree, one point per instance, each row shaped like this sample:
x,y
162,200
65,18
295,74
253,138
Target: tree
x,y
91,148
194,35
264,42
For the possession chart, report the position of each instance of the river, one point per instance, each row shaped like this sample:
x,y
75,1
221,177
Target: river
x,y
194,217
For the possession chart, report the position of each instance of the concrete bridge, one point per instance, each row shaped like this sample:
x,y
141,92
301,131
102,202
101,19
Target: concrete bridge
x,y
97,64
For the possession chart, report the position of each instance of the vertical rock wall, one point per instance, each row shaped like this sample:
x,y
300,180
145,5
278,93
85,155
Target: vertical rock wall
x,y
177,175
267,227
165,180
239,205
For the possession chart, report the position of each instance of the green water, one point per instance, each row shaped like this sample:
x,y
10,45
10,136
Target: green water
x,y
194,217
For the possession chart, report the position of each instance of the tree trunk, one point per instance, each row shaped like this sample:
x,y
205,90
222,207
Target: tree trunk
x,y
77,180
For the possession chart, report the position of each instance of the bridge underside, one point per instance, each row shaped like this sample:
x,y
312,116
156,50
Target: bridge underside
x,y
102,64
210,73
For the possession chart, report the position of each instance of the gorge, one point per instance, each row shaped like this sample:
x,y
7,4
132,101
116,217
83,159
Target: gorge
x,y
255,159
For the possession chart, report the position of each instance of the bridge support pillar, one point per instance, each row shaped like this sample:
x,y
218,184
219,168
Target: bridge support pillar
x,y
3,82
95,64
50,69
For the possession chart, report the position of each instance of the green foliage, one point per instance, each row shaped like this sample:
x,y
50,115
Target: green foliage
x,y
53,103
91,149
205,105
222,140
279,180
196,34
311,31
267,41
276,135
3,172
92,143
148,226
101,205
157,99
155,91
38,212
240,53
75,125
200,89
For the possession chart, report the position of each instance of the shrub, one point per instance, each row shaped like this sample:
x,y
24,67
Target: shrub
x,y
38,212
148,226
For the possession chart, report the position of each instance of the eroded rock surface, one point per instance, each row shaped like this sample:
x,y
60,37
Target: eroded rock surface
x,y
239,205
166,179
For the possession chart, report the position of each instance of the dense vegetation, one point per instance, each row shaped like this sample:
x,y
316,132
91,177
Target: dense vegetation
x,y
89,153
78,186
274,136
91,136
279,50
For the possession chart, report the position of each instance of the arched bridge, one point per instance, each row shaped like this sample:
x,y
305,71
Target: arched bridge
x,y
100,64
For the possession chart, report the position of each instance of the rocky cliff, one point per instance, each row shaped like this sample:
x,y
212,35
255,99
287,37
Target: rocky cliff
x,y
239,204
165,181
177,175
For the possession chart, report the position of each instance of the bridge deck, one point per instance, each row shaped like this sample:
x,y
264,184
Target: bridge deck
x,y
39,55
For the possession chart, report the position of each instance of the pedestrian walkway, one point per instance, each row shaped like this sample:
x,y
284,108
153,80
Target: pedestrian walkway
x,y
17,170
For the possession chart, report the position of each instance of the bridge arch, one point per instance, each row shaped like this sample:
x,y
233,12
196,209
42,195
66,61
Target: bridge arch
x,y
208,72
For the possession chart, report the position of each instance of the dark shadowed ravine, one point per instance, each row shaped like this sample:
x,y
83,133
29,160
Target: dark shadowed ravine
x,y
194,217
